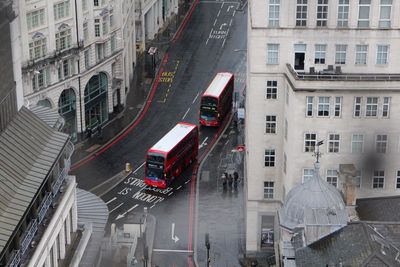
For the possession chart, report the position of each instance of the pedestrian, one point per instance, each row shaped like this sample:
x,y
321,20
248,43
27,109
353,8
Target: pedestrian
x,y
89,132
235,179
224,182
230,180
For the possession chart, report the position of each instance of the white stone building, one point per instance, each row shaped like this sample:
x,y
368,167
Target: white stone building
x,y
319,70
77,56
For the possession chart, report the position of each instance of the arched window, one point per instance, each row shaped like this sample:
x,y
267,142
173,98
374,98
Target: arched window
x,y
67,101
96,86
44,103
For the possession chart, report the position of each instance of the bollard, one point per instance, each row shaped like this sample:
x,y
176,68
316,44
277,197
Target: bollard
x,y
128,167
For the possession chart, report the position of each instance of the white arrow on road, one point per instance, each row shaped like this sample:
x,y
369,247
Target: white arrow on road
x,y
203,143
229,8
123,214
222,25
174,237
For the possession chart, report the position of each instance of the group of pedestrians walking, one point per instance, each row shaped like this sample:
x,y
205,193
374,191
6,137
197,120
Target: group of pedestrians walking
x,y
230,181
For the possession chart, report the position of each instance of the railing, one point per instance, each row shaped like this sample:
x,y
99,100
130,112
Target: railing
x,y
326,76
45,206
59,181
15,259
29,236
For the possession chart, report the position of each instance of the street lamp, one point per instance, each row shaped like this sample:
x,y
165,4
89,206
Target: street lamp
x,y
208,249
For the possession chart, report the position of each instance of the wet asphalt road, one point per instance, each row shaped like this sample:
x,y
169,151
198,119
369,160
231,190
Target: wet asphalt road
x,y
213,40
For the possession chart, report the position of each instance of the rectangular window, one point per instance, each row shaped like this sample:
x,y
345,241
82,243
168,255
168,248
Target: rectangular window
x,y
363,13
286,129
357,106
96,2
85,31
100,51
310,140
111,15
378,180
385,13
35,19
343,13
270,124
284,162
398,180
301,13
273,54
332,177
97,27
63,39
386,107
361,54
273,13
320,54
272,90
338,106
340,55
105,25
307,174
41,79
357,143
309,106
65,69
37,48
381,143
113,43
269,190
87,58
358,178
371,107
333,143
382,54
61,10
269,158
323,106
322,13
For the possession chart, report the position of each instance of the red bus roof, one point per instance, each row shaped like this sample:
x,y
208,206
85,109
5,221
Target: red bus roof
x,y
173,137
218,84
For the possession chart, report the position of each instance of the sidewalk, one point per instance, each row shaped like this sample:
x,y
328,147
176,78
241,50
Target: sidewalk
x,y
138,92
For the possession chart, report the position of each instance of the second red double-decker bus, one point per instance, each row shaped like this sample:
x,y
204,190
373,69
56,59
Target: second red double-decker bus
x,y
216,101
171,155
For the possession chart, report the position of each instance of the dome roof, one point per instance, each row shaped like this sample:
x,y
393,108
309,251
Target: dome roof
x,y
313,202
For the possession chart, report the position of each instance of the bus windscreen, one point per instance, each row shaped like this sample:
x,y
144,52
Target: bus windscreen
x,y
155,166
209,101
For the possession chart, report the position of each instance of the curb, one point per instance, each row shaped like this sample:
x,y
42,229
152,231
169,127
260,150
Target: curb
x,y
184,21
198,185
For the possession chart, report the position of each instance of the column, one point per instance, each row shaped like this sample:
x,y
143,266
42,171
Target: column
x,y
68,229
74,214
55,254
47,261
62,241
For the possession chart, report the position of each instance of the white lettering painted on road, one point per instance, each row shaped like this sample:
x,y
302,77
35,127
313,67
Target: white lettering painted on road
x,y
115,208
145,197
111,200
124,191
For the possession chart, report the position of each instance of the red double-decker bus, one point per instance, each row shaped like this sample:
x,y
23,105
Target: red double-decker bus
x,y
171,155
216,101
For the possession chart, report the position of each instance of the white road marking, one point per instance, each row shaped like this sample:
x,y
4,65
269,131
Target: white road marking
x,y
170,193
174,237
152,206
222,25
203,143
230,23
194,100
179,187
173,250
209,36
218,13
138,168
215,22
187,181
123,214
115,208
185,114
223,43
111,200
234,12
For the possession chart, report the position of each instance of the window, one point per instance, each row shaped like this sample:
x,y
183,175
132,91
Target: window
x,y
35,18
320,54
357,143
382,53
307,174
322,13
310,140
363,13
371,107
284,162
84,5
338,106
87,58
361,54
41,79
343,13
61,10
333,143
309,106
272,89
268,190
105,25
96,2
270,124
323,106
63,39
386,107
332,177
111,15
357,106
269,158
286,129
358,178
398,180
100,51
340,55
113,43
97,27
65,69
378,180
273,54
301,13
273,13
384,14
381,143
37,48
85,31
